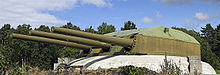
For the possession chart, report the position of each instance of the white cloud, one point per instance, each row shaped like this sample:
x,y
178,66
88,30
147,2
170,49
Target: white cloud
x,y
34,12
98,3
201,16
158,14
17,12
147,20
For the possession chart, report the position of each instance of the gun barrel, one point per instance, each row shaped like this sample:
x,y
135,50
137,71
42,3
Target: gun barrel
x,y
115,40
72,38
42,39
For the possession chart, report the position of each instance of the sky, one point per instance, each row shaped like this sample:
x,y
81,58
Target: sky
x,y
190,14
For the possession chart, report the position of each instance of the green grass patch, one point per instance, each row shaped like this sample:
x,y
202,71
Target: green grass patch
x,y
217,71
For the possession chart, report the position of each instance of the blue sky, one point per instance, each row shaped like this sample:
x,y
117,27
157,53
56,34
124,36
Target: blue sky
x,y
191,14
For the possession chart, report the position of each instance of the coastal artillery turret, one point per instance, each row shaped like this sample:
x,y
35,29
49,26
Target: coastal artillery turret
x,y
126,45
150,41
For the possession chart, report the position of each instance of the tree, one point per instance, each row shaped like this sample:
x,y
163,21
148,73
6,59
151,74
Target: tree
x,y
217,36
4,33
44,54
208,31
23,29
5,49
22,49
209,34
104,28
90,29
69,25
16,50
35,54
43,28
69,52
129,25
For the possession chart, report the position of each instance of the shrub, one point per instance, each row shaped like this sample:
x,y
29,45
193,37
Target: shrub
x,y
170,68
132,70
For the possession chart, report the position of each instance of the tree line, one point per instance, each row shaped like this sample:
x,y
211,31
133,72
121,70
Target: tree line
x,y
16,52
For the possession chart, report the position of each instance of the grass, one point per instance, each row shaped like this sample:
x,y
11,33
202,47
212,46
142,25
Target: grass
x,y
217,71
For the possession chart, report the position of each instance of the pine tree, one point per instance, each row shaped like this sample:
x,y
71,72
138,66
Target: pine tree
x,y
217,36
69,25
209,34
104,28
90,29
129,25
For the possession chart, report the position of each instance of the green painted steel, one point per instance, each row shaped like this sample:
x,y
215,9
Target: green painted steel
x,y
42,39
157,32
72,39
160,46
108,39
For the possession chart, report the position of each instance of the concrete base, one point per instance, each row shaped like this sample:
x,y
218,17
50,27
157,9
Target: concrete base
x,y
152,62
195,65
207,68
62,61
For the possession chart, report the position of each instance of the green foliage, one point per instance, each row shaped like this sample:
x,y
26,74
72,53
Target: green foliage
x,y
104,28
3,63
34,54
4,34
43,28
16,52
129,25
69,25
9,68
210,35
132,70
23,29
207,32
217,71
217,36
27,52
90,29
69,52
